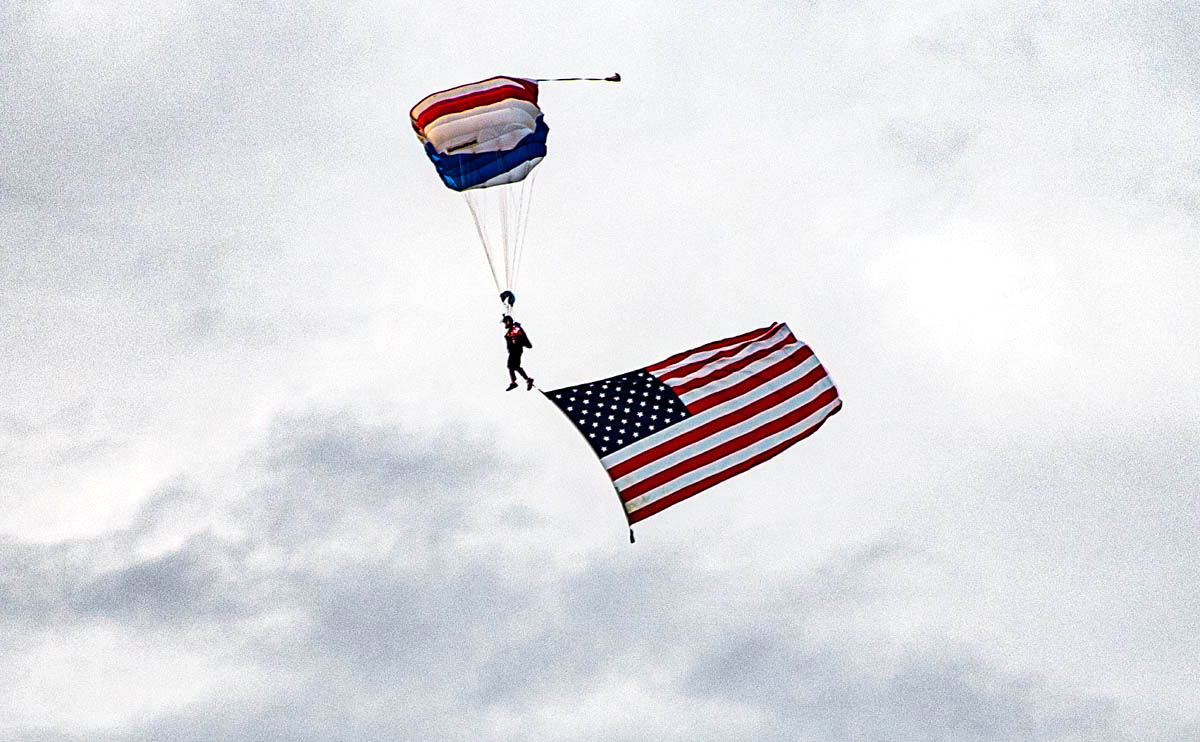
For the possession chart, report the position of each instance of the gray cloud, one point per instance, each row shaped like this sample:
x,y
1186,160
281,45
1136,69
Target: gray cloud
x,y
392,659
813,690
321,472
427,638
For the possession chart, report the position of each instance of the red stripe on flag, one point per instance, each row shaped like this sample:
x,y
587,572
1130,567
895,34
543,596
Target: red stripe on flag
x,y
753,382
709,346
730,368
642,486
514,89
717,424
696,487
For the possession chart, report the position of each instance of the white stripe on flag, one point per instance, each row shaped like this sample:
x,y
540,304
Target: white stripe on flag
x,y
742,454
723,435
741,375
721,363
709,353
695,421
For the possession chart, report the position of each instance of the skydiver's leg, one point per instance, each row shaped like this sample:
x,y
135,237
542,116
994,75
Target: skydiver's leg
x,y
514,365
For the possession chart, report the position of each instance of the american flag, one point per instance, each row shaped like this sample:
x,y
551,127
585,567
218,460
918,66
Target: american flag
x,y
679,426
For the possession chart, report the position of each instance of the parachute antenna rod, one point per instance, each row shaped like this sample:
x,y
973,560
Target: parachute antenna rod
x,y
614,77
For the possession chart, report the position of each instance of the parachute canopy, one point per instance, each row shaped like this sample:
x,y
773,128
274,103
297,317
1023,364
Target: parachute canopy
x,y
485,139
484,134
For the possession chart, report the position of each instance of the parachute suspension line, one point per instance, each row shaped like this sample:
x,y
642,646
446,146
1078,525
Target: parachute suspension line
x,y
501,218
505,233
526,200
518,208
522,223
483,240
477,202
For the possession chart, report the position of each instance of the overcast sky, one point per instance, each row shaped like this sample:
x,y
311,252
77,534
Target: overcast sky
x,y
260,480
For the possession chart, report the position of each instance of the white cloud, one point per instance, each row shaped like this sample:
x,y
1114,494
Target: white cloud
x,y
244,330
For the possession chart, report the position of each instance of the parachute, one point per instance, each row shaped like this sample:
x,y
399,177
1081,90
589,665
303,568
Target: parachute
x,y
485,138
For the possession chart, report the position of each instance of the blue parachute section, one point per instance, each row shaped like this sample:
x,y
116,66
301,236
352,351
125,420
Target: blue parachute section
x,y
472,170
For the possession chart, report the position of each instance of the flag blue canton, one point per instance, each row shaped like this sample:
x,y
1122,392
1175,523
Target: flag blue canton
x,y
616,412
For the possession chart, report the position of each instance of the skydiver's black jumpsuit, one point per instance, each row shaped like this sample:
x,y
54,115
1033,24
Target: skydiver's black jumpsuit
x,y
517,341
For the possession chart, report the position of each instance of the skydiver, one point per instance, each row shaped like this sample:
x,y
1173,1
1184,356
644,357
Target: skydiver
x,y
517,341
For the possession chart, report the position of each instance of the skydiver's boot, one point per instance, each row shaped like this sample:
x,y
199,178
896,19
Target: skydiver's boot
x,y
528,383
511,386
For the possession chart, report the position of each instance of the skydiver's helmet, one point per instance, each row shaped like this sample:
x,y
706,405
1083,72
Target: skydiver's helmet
x,y
507,320
507,298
